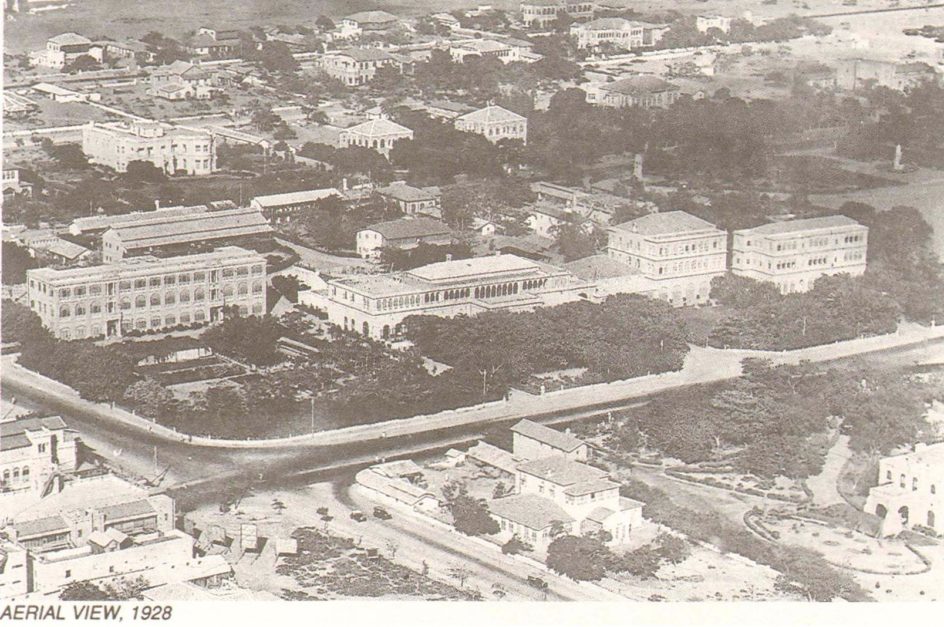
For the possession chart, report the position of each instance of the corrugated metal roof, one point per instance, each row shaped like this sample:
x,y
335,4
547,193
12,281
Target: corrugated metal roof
x,y
292,198
182,229
493,114
409,228
546,435
40,527
127,510
462,268
639,85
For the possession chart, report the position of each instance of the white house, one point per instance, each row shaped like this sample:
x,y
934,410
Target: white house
x,y
909,492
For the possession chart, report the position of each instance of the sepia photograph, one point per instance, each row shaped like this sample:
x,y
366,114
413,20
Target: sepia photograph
x,y
637,304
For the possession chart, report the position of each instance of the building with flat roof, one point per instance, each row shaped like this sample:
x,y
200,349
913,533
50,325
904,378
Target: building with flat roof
x,y
182,233
494,123
13,185
172,149
855,74
147,293
620,32
355,66
706,22
543,12
639,91
281,208
380,135
794,253
33,451
909,490
483,48
677,253
376,304
403,233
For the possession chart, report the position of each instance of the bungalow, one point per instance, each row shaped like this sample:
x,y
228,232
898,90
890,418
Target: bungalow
x,y
279,208
380,135
494,123
404,233
639,91
411,200
531,440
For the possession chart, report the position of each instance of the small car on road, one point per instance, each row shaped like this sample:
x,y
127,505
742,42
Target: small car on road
x,y
358,515
382,514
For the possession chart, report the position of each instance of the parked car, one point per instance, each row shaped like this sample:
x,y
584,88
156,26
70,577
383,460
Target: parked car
x,y
382,514
537,582
358,515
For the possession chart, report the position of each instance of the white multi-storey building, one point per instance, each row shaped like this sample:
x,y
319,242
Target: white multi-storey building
x,y
355,66
910,489
542,12
793,254
622,33
34,451
494,123
173,150
147,293
679,254
376,305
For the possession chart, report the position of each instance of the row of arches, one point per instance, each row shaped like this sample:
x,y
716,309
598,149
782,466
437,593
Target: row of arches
x,y
17,475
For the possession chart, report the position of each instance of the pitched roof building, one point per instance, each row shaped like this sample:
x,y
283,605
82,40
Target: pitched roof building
x,y
380,135
494,123
402,233
175,233
639,91
535,441
279,208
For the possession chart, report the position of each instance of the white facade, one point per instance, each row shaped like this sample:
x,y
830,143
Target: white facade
x,y
494,123
376,305
173,150
147,293
356,66
34,449
677,253
794,254
380,135
705,22
542,12
910,490
622,33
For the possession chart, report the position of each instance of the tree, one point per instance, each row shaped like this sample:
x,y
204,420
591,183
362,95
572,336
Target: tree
x,y
144,172
515,545
251,338
275,56
16,260
470,516
82,63
673,549
580,558
324,23
150,397
69,156
643,562
460,574
279,506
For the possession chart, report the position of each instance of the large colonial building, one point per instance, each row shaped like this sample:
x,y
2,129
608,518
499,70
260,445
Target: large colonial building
x,y
618,31
910,490
639,91
856,74
147,293
494,123
355,66
678,253
173,150
376,305
542,12
63,49
180,234
380,135
795,253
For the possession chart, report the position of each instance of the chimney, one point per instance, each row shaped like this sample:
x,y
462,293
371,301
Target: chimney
x,y
157,203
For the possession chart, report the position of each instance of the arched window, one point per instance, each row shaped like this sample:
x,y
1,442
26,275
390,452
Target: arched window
x,y
25,476
80,310
228,290
126,303
96,307
170,298
185,296
16,475
242,289
155,299
257,287
140,301
199,294
65,311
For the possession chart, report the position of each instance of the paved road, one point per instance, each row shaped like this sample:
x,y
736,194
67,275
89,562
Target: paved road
x,y
322,261
443,549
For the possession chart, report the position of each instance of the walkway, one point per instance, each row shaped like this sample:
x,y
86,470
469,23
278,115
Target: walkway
x,y
825,485
702,365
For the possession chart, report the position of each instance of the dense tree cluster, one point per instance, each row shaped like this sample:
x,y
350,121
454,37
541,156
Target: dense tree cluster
x,y
624,337
15,262
837,308
774,421
469,514
251,339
